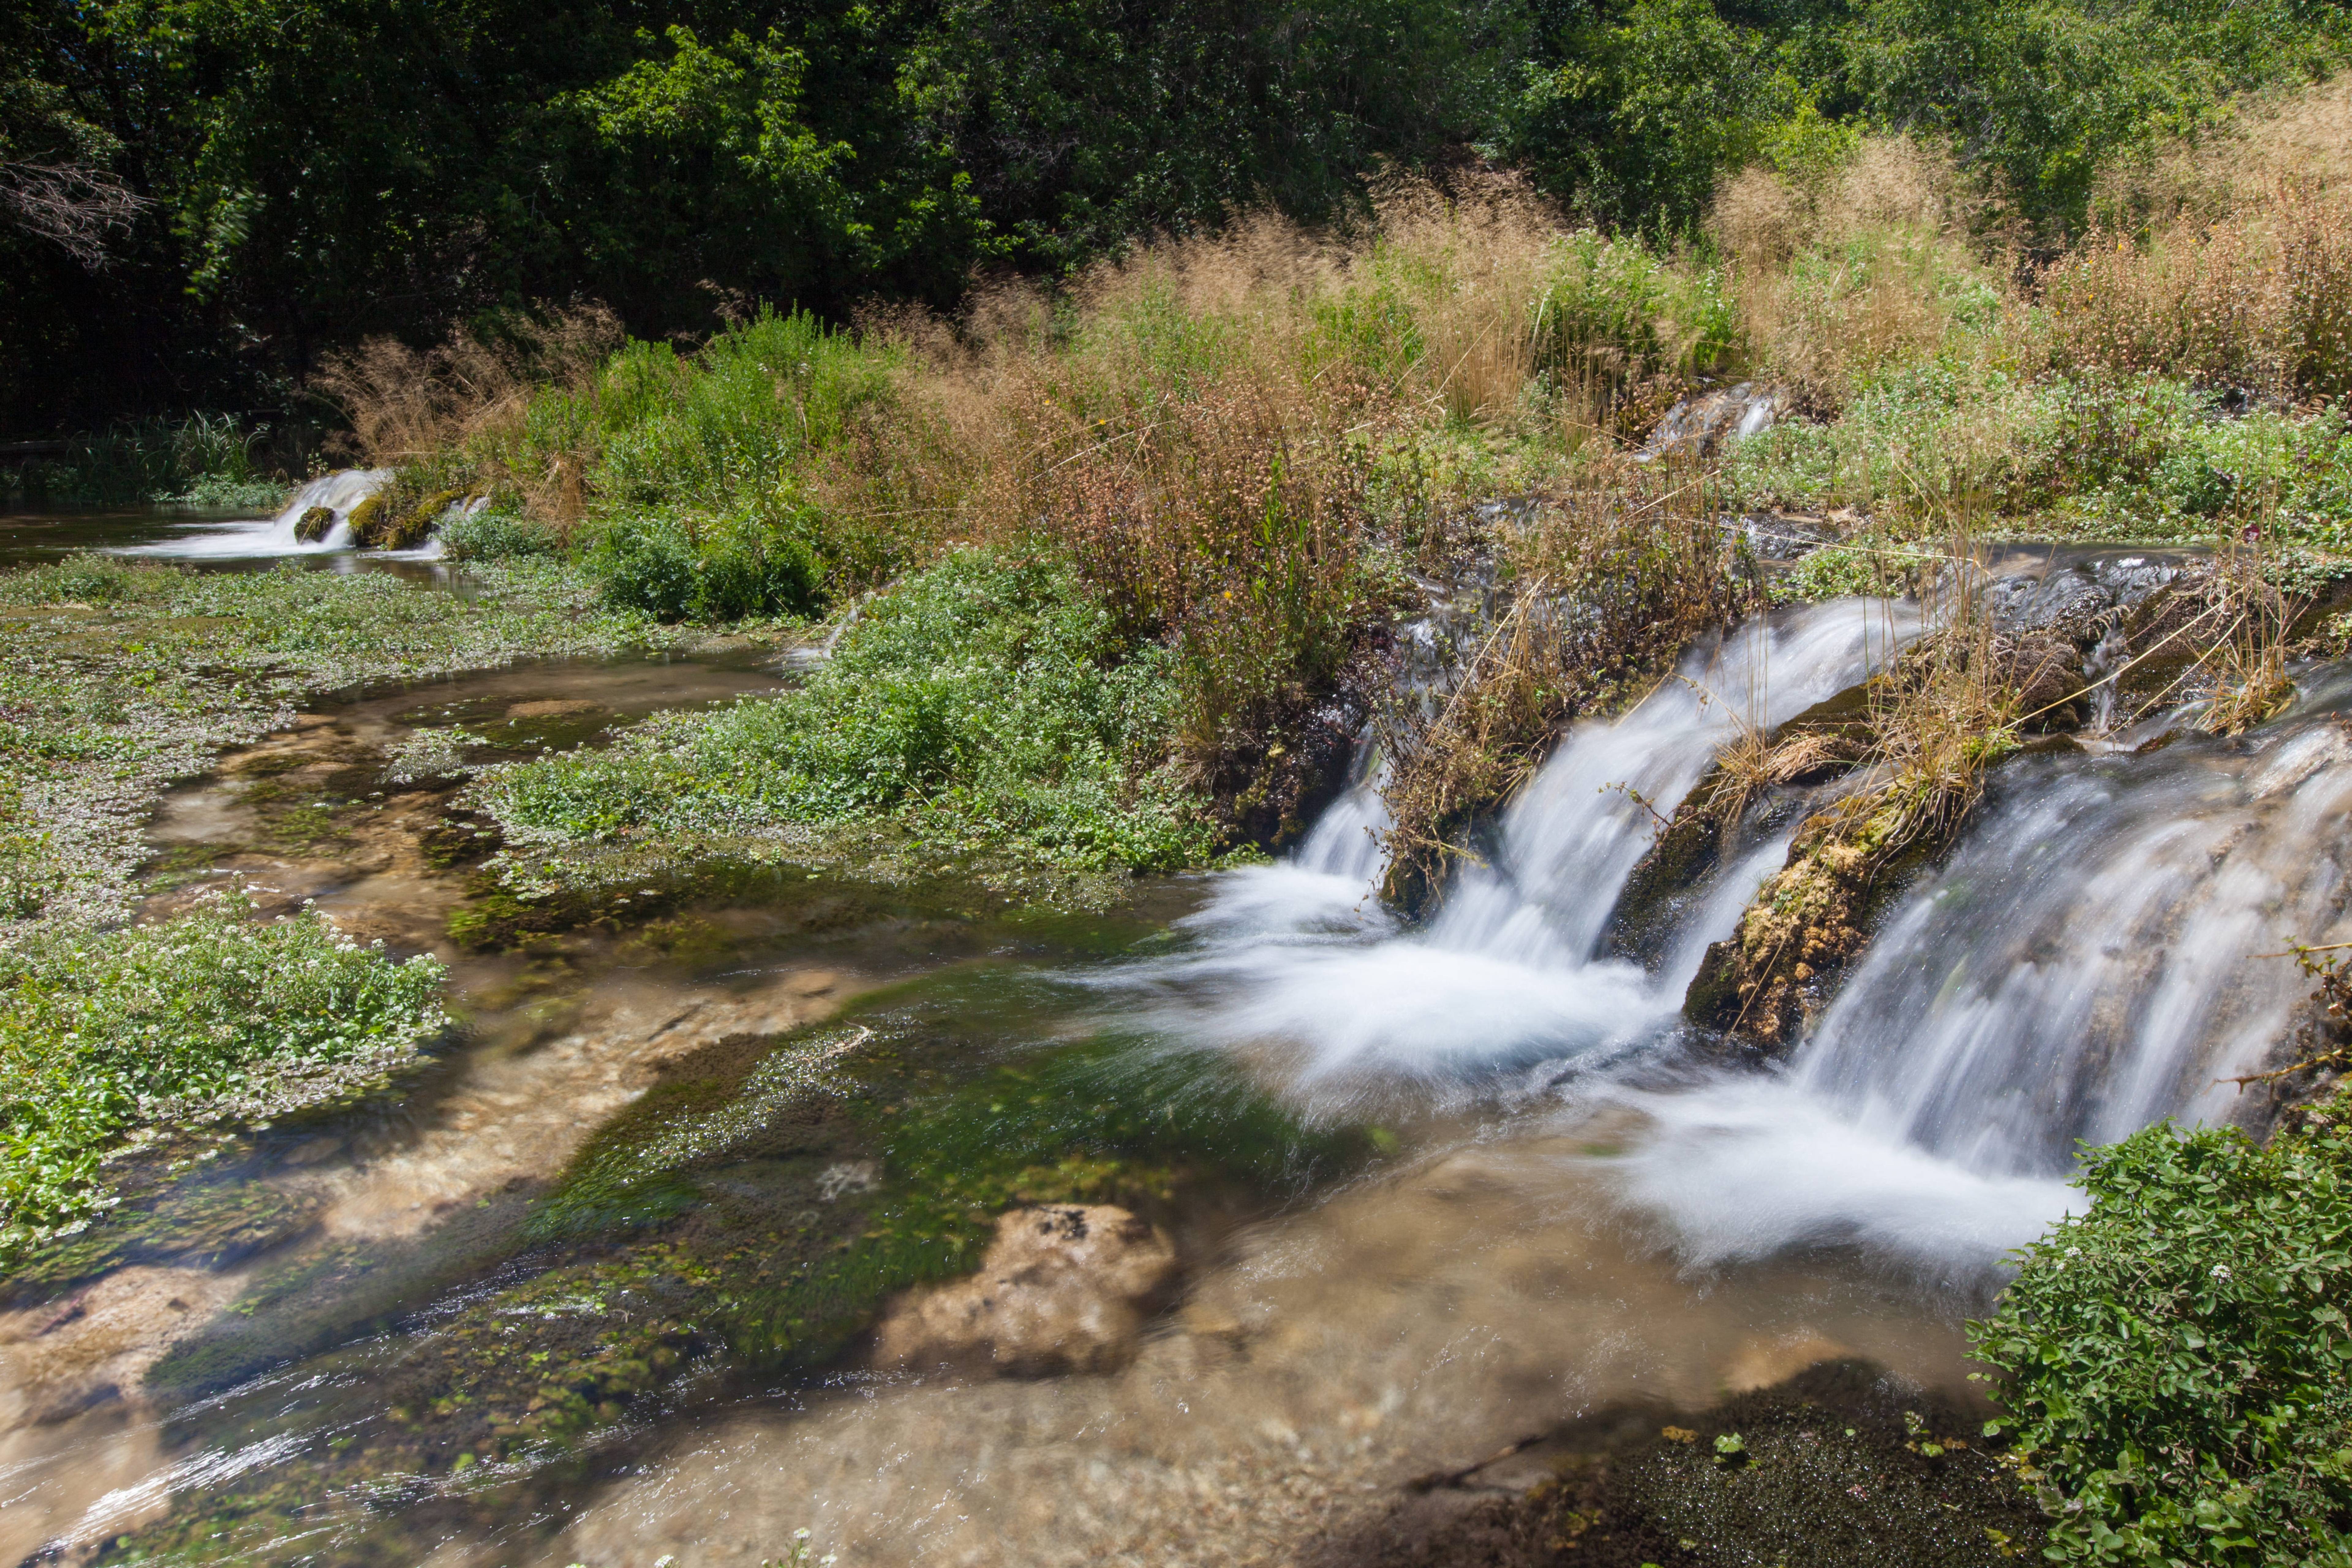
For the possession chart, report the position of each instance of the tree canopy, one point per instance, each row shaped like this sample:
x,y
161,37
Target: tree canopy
x,y
199,198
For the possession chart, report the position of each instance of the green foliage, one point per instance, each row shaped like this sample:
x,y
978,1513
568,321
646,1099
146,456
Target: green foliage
x,y
2146,458
207,1014
1618,301
982,701
324,172
2176,1356
496,534
704,463
211,460
1633,111
2044,96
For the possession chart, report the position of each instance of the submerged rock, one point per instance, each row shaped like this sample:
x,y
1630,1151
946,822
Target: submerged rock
x,y
1062,1289
1839,1466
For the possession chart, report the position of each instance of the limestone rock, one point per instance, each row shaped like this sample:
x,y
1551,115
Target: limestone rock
x,y
1062,1289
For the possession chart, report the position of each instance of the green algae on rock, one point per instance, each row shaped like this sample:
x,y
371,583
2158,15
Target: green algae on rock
x,y
751,1214
1839,1466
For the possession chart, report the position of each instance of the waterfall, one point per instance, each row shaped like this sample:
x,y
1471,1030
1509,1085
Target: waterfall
x,y
2101,951
2090,958
1300,958
339,492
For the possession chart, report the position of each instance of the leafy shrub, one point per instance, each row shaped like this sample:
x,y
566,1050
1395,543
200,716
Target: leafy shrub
x,y
983,701
2177,1355
678,570
210,1013
499,534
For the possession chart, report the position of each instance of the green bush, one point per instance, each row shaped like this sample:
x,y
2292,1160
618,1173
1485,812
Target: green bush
x,y
2147,457
982,701
1617,299
497,535
676,570
205,460
2176,1357
210,1013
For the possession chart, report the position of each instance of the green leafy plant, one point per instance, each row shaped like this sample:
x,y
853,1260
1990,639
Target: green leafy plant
x,y
212,1013
2176,1357
986,701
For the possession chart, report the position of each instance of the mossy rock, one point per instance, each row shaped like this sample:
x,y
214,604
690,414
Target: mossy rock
x,y
369,518
416,525
1839,1466
314,524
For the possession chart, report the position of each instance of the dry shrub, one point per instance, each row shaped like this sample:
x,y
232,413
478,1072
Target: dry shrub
x,y
1193,424
1473,264
2260,301
1935,722
1609,587
405,405
1235,537
1857,265
2299,141
2228,260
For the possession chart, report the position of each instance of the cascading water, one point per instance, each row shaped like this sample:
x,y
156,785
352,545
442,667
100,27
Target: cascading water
x,y
1301,955
2102,951
2089,961
339,492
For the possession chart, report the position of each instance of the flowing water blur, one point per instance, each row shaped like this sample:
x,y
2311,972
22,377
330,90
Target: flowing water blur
x,y
1581,1209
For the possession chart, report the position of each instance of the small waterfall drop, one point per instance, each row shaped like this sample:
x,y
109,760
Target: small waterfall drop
x,y
1300,957
2100,952
339,492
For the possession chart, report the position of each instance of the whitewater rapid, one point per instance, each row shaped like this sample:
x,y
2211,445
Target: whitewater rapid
x,y
2097,953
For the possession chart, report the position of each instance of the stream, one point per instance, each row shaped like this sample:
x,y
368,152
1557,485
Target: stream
x,y
1576,1206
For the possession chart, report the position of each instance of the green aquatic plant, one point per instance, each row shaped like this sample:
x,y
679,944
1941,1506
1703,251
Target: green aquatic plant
x,y
2175,1358
118,678
212,1013
984,700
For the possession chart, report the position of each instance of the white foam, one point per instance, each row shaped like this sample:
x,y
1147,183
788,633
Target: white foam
x,y
339,492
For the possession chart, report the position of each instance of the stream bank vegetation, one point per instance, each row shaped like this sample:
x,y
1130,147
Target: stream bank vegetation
x,y
2174,1358
1112,570
118,679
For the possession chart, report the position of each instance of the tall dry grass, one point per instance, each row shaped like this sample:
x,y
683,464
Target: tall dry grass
x,y
1609,588
1844,268
461,402
2227,261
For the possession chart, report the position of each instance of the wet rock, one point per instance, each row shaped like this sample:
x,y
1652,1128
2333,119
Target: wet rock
x,y
1779,537
2047,674
1699,427
1062,1289
414,526
369,518
1839,1467
63,1357
314,524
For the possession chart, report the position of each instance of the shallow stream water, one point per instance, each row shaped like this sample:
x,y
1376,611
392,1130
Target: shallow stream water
x,y
1576,1205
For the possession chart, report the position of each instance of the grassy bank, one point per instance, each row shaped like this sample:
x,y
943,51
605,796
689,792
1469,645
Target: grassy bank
x,y
117,680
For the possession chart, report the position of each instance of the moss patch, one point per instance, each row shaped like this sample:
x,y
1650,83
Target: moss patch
x,y
1838,1468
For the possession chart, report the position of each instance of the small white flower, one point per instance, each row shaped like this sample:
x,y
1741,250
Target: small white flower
x,y
2221,1271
